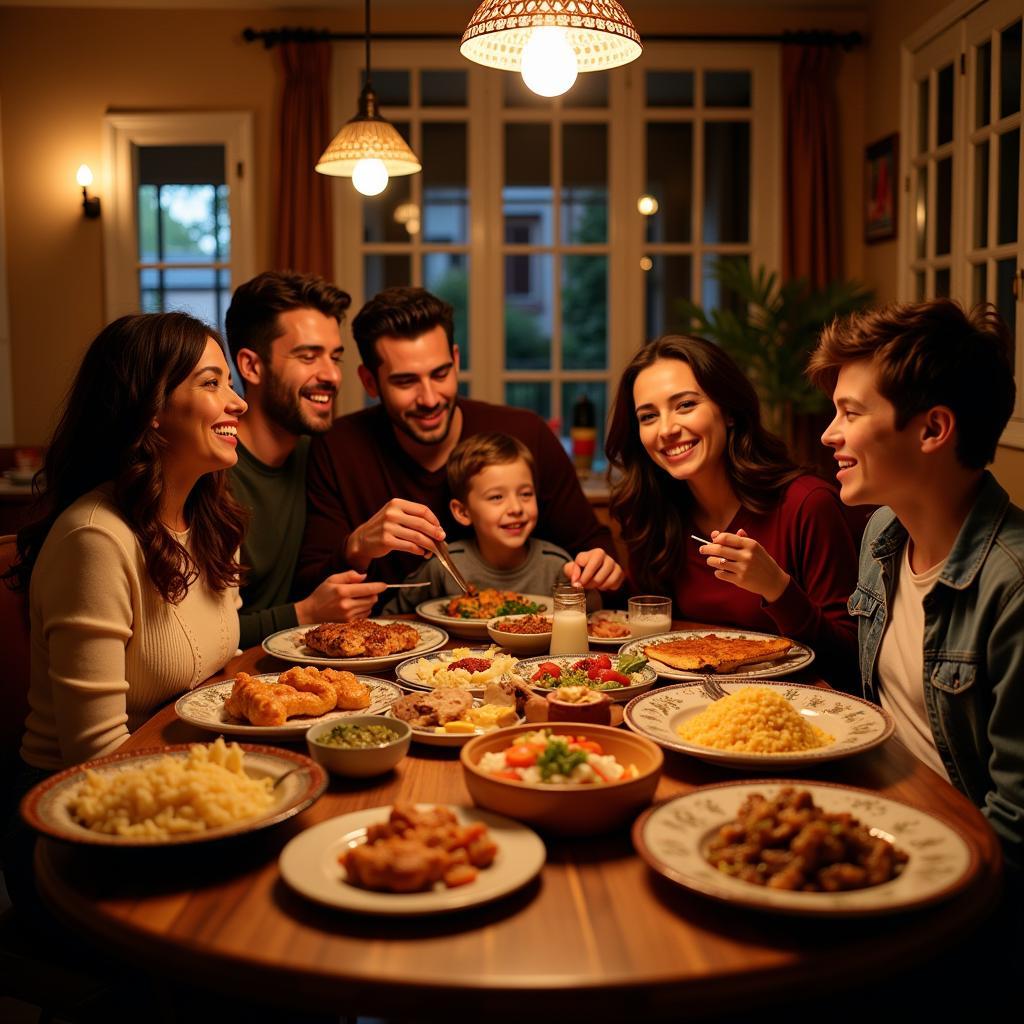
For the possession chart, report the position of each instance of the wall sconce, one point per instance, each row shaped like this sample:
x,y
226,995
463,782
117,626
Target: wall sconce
x,y
90,204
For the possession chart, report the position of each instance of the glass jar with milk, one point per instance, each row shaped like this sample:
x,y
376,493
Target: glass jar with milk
x,y
569,621
649,614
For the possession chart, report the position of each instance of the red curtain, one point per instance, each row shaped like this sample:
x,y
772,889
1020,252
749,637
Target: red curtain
x,y
303,240
812,233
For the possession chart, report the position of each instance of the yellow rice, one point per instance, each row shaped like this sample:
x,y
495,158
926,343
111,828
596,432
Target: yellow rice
x,y
754,720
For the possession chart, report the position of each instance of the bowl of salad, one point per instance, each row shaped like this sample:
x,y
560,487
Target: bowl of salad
x,y
565,778
622,677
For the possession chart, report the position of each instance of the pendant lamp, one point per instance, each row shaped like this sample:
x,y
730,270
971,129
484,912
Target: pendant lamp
x,y
368,149
550,41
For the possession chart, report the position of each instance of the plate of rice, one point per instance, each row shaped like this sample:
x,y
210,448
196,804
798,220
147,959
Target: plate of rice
x,y
174,795
462,668
759,725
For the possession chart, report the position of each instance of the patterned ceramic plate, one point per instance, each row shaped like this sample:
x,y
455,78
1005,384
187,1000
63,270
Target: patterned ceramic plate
x,y
856,725
46,806
309,864
474,629
430,738
798,657
204,708
644,678
287,645
608,641
673,838
408,673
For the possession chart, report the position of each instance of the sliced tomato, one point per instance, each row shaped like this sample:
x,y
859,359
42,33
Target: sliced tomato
x,y
546,668
609,675
521,757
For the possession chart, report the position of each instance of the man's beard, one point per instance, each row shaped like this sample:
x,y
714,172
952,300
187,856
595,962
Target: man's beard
x,y
284,407
437,436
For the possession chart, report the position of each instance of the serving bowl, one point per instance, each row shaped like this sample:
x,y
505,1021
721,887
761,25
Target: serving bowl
x,y
563,809
523,644
359,762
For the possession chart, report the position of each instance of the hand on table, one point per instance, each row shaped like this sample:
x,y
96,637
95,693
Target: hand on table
x,y
594,569
740,560
399,526
340,598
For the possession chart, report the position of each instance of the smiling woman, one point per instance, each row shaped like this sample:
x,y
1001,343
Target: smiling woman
x,y
131,567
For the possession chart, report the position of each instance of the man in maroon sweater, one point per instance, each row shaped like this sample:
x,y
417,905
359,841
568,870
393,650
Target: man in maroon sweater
x,y
376,481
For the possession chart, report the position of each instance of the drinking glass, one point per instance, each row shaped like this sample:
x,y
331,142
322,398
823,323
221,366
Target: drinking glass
x,y
649,614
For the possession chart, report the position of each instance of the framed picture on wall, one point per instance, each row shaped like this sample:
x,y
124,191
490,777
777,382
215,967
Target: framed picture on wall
x,y
881,171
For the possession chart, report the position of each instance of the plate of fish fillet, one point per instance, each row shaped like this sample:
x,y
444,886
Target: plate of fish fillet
x,y
282,706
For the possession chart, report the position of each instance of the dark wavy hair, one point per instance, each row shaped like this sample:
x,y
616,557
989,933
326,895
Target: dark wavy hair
x,y
106,435
400,312
652,507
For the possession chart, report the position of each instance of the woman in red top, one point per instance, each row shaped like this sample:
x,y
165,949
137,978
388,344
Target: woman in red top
x,y
694,458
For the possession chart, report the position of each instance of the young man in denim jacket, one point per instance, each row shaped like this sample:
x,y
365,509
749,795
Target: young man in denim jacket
x,y
922,394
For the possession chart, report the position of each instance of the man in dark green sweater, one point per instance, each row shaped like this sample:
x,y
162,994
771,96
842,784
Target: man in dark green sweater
x,y
283,333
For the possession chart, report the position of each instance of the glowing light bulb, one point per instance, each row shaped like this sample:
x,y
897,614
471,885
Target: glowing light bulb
x,y
84,176
549,65
647,205
370,176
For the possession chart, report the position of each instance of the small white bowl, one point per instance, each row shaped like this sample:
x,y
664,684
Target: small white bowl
x,y
359,762
519,643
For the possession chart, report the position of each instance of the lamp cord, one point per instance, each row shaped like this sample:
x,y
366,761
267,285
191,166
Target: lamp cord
x,y
368,75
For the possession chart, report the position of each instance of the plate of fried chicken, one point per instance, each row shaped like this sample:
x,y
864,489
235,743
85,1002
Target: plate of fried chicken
x,y
362,645
283,706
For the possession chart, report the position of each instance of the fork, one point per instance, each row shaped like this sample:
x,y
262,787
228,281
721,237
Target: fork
x,y
446,560
712,687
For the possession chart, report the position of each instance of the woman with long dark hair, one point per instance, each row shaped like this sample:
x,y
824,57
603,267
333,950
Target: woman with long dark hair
x,y
693,458
131,568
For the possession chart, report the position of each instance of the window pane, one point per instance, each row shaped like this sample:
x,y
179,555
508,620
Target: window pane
x,y
1009,75
391,87
714,295
980,233
727,181
727,88
187,230
202,291
665,284
921,211
919,286
670,181
446,274
385,271
584,183
943,204
146,217
391,217
590,90
1009,182
528,311
527,192
584,312
597,392
944,106
942,283
517,94
670,88
1006,270
445,194
529,394
443,89
979,282
922,116
983,85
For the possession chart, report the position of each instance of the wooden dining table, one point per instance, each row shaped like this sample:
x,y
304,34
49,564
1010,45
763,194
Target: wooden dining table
x,y
597,934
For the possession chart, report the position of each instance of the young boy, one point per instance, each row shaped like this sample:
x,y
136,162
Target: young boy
x,y
922,394
491,479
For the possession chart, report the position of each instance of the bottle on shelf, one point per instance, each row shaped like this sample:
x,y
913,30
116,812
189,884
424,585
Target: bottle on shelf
x,y
583,434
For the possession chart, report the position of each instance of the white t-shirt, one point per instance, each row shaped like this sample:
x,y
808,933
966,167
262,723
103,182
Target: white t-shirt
x,y
901,662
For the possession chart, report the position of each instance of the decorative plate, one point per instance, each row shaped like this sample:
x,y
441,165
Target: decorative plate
x,y
430,738
204,708
799,656
856,725
309,864
672,838
646,677
475,629
608,641
408,676
287,644
45,806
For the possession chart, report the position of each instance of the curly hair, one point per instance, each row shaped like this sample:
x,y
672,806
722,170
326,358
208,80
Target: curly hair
x,y
106,435
652,507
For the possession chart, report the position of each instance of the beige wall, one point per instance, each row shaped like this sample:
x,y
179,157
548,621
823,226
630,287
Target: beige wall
x,y
62,70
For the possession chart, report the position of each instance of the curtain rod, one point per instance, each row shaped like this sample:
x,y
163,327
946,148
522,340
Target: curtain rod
x,y
810,37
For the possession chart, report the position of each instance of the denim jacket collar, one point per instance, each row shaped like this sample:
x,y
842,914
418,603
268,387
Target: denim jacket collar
x,y
972,543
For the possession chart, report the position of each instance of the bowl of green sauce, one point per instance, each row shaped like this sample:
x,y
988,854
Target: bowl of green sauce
x,y
359,746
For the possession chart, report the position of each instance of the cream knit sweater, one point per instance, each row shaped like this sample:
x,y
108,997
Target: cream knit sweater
x,y
107,650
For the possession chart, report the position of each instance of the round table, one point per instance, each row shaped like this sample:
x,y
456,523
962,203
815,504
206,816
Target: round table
x,y
598,933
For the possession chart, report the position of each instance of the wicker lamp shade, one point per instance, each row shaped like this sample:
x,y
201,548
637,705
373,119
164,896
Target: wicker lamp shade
x,y
368,136
599,31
